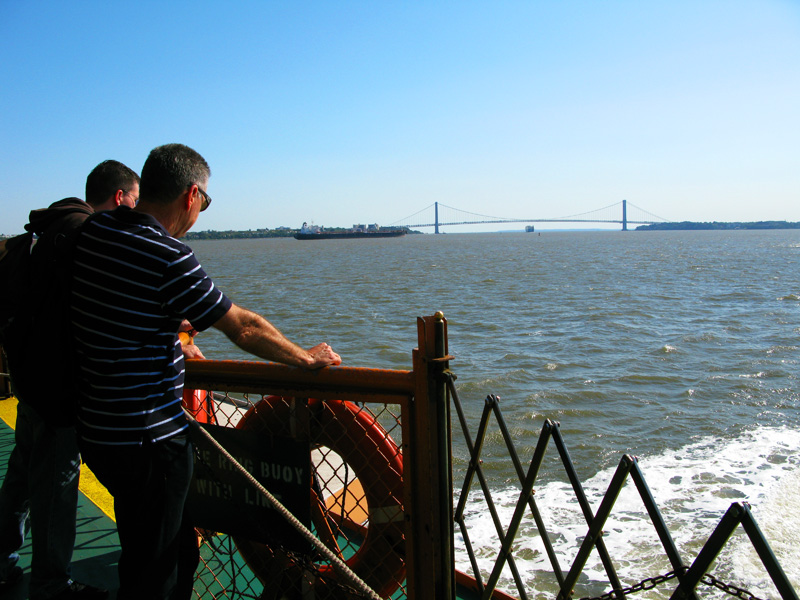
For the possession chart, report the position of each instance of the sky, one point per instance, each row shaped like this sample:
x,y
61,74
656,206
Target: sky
x,y
350,112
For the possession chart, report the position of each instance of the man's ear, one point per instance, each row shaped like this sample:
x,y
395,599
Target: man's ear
x,y
118,197
191,197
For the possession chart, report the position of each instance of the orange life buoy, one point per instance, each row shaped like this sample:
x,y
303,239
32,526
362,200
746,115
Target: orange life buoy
x,y
197,402
356,436
199,405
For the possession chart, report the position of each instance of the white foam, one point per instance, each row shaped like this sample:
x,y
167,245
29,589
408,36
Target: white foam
x,y
693,487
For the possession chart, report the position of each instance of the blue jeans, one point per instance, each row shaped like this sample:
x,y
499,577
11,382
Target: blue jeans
x,y
40,493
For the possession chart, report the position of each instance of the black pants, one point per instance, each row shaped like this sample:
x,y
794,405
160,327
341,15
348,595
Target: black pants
x,y
149,484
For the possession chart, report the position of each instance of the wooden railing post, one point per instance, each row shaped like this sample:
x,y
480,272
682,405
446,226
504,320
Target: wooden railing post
x,y
428,469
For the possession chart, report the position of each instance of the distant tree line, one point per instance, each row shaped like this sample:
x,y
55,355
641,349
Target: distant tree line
x,y
716,225
235,235
255,233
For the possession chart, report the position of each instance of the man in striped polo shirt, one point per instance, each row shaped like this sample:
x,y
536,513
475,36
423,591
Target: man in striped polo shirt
x,y
133,284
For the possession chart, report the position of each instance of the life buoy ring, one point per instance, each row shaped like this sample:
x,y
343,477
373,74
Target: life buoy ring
x,y
197,402
355,435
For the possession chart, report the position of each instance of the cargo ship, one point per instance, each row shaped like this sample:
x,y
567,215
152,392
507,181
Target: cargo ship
x,y
316,232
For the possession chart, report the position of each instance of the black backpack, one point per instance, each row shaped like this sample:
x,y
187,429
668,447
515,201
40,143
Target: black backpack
x,y
34,317
15,283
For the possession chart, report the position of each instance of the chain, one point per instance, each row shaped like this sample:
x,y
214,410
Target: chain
x,y
728,588
645,584
652,582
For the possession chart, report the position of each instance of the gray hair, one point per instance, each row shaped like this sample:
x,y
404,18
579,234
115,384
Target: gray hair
x,y
169,170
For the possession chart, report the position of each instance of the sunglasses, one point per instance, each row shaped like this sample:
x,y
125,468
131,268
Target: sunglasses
x,y
206,199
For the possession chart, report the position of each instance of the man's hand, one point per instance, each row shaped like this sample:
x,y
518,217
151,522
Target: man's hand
x,y
191,351
322,356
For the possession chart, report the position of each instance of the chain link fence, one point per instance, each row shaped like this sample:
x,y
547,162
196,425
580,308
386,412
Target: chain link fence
x,y
354,502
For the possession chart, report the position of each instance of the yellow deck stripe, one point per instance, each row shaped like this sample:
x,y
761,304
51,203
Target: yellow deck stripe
x,y
89,485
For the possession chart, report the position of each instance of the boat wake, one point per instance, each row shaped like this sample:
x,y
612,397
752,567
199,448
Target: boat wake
x,y
693,487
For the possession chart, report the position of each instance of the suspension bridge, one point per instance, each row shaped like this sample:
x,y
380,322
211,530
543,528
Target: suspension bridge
x,y
438,215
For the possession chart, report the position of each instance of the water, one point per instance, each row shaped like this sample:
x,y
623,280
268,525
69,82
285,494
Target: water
x,y
678,347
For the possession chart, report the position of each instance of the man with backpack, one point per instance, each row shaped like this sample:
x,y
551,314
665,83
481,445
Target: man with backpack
x,y
40,488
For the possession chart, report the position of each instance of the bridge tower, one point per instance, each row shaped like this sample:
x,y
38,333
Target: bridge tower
x,y
624,215
436,218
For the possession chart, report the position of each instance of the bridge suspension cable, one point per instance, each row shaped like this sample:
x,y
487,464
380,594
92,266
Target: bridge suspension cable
x,y
472,214
408,218
591,212
649,214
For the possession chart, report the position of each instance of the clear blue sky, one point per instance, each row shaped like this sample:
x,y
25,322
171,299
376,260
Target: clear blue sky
x,y
344,112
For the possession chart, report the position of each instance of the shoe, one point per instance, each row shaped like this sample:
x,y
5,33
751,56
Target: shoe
x,y
14,576
81,591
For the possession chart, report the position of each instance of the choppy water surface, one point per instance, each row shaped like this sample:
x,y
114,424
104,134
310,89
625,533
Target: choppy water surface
x,y
678,347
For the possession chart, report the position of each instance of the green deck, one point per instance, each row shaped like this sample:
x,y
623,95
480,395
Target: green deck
x,y
96,552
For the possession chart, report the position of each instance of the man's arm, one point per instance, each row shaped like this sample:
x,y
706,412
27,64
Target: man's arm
x,y
253,333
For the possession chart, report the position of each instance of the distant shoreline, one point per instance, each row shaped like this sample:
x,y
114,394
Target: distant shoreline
x,y
283,232
716,225
247,234
679,226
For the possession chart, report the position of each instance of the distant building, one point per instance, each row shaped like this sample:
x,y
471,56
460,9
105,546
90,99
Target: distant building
x,y
306,228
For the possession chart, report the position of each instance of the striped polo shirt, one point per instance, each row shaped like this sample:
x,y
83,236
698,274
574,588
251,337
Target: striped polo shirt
x,y
132,285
